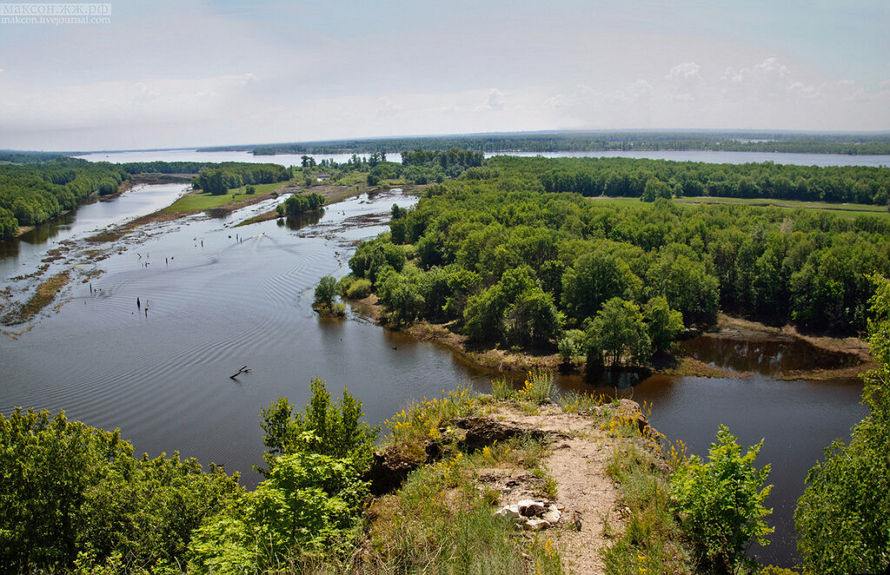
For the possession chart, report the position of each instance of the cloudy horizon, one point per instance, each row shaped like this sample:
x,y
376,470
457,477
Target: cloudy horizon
x,y
202,73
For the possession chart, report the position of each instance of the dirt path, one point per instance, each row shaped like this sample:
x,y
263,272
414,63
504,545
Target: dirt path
x,y
578,465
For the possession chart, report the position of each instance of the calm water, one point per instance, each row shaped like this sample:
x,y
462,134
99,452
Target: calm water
x,y
243,298
677,156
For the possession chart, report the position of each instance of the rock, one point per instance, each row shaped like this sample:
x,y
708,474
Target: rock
x,y
530,508
482,432
388,471
536,525
630,410
511,511
552,515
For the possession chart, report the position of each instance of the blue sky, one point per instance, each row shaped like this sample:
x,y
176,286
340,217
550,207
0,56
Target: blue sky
x,y
164,73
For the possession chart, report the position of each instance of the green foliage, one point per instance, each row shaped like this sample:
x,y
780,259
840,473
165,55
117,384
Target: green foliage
x,y
359,289
720,503
36,192
571,345
618,335
325,292
372,257
843,517
218,179
69,490
310,505
777,265
652,541
298,204
597,276
328,428
662,323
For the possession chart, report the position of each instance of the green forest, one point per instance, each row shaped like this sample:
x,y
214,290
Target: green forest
x,y
39,191
496,256
43,187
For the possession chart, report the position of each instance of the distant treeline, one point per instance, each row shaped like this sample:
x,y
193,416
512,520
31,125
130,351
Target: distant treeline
x,y
649,179
853,144
33,193
39,190
229,175
19,157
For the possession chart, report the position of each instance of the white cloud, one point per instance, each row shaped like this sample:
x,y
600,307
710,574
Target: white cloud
x,y
495,101
388,108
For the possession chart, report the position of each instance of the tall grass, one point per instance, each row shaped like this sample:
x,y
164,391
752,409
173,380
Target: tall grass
x,y
538,387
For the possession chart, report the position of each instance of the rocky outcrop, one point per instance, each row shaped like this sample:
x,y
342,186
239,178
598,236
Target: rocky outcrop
x,y
532,515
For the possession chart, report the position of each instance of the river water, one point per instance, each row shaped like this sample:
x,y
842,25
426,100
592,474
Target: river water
x,y
219,298
710,157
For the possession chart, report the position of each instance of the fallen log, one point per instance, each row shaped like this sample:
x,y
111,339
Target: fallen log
x,y
240,371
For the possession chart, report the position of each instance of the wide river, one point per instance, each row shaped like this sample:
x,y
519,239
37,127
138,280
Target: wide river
x,y
219,298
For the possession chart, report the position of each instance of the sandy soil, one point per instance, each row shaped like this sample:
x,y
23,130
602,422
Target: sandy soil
x,y
577,463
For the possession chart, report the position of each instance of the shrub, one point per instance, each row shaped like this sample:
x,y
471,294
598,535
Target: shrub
x,y
538,387
326,428
359,289
324,293
720,503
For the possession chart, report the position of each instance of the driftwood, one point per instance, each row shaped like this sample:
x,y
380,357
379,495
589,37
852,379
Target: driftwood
x,y
240,371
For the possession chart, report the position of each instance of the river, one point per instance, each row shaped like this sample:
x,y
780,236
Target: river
x,y
220,297
710,157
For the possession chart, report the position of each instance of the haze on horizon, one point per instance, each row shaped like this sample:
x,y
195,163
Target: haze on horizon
x,y
220,72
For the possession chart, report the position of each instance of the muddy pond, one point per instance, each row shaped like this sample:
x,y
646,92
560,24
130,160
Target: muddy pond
x,y
214,297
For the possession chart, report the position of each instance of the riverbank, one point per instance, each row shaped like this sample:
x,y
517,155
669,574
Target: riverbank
x,y
853,350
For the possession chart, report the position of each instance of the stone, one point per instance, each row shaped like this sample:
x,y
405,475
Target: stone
x,y
530,508
552,515
536,525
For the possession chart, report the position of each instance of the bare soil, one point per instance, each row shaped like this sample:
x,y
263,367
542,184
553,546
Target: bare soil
x,y
586,493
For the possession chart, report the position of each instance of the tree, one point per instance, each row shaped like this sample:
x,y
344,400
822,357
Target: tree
x,y
596,277
324,293
663,323
69,490
532,319
324,427
843,516
720,503
617,335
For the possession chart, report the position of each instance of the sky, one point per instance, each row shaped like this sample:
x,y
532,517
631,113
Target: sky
x,y
189,73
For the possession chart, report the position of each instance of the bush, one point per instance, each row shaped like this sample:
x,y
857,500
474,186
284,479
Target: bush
x,y
359,289
327,428
310,505
720,503
69,490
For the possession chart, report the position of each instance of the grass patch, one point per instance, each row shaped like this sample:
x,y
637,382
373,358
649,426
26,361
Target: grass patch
x,y
204,201
439,522
44,295
538,387
841,210
652,541
422,420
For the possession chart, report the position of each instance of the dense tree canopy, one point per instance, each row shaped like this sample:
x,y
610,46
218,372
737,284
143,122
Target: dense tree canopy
x,y
484,250
843,517
33,193
68,489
